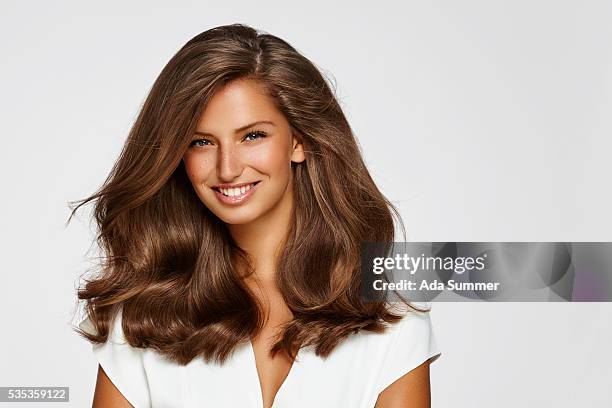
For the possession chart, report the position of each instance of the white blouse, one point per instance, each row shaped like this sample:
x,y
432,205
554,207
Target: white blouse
x,y
357,370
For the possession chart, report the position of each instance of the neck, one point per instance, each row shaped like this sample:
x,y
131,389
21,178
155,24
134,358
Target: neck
x,y
263,238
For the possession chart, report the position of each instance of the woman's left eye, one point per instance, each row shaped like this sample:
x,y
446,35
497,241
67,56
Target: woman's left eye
x,y
254,135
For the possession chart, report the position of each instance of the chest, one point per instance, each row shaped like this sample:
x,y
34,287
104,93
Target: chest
x,y
347,378
271,371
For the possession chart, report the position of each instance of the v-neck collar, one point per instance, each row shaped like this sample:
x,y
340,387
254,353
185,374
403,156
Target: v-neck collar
x,y
259,390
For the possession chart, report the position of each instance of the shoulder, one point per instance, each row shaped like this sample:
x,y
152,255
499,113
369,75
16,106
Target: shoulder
x,y
415,326
115,333
122,363
409,343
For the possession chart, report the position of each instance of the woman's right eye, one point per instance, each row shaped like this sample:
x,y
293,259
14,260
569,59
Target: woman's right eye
x,y
200,143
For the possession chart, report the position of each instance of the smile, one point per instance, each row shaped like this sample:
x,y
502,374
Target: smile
x,y
235,195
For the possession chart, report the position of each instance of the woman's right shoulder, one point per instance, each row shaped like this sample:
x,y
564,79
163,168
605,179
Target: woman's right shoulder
x,y
115,332
122,364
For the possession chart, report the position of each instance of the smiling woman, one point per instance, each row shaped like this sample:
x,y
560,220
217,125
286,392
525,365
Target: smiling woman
x,y
232,224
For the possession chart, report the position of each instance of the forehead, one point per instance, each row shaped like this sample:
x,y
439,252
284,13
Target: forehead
x,y
236,104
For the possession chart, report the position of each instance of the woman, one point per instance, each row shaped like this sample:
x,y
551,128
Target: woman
x,y
231,225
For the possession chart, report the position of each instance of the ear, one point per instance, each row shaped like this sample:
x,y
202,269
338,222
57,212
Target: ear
x,y
297,151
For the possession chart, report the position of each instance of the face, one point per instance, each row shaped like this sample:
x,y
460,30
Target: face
x,y
239,159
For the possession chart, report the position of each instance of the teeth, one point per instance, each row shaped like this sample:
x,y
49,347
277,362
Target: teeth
x,y
233,192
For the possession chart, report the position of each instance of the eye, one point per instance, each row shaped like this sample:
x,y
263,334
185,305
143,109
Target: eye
x,y
200,143
251,136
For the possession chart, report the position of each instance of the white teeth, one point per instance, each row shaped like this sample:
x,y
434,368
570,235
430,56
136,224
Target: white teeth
x,y
233,192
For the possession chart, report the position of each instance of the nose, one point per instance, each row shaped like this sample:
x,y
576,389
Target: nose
x,y
229,165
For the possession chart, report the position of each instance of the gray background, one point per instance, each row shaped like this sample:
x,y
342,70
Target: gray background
x,y
482,120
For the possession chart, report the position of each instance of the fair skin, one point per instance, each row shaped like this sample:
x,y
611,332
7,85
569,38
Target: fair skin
x,y
227,152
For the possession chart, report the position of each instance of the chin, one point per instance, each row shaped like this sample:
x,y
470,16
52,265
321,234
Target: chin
x,y
236,217
237,220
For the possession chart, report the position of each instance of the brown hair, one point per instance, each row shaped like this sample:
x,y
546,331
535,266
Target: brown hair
x,y
169,263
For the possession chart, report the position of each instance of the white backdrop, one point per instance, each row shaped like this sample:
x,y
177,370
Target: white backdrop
x,y
482,120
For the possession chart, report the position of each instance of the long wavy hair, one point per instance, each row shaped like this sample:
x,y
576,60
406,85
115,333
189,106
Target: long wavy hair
x,y
169,264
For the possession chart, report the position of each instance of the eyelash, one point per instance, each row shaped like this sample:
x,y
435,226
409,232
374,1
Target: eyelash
x,y
257,133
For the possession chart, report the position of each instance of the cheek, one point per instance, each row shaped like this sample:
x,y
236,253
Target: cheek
x,y
197,168
272,159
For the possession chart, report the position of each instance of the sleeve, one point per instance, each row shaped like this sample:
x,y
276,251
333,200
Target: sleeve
x,y
122,363
412,343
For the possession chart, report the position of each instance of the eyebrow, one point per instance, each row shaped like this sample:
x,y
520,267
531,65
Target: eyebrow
x,y
240,129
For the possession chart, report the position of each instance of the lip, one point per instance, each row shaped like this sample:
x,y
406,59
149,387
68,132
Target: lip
x,y
225,185
235,200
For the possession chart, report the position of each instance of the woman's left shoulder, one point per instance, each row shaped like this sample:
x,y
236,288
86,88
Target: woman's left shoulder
x,y
415,321
408,343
